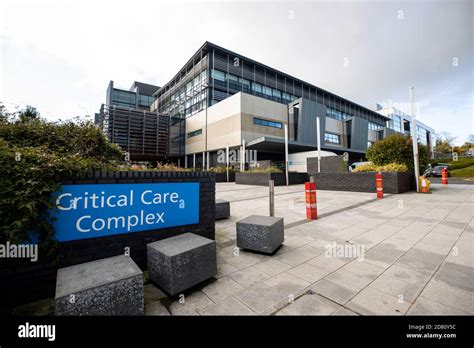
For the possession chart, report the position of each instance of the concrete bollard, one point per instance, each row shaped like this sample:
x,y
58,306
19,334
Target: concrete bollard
x,y
271,194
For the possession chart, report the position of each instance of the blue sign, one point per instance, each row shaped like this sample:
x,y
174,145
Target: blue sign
x,y
89,211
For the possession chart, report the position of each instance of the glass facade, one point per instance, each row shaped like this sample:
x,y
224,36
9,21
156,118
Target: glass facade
x,y
267,123
338,115
130,99
187,99
396,123
145,101
214,74
375,127
122,98
221,79
185,95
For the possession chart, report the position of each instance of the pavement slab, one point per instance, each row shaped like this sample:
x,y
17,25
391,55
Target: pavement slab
x,y
310,304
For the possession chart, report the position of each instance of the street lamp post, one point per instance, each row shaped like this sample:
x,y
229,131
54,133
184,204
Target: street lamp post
x,y
286,153
414,139
206,87
227,162
318,139
242,157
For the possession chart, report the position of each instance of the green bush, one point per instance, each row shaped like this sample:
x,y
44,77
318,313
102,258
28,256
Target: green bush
x,y
396,149
68,137
35,156
391,167
222,169
369,167
461,163
170,167
265,170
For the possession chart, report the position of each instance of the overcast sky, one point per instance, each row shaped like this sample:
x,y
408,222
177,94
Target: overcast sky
x,y
60,55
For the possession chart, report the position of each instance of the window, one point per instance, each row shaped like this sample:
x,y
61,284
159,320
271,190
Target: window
x,y
197,80
267,123
375,126
218,75
123,98
244,82
332,138
194,133
336,114
144,100
267,90
421,134
257,87
396,123
203,76
232,77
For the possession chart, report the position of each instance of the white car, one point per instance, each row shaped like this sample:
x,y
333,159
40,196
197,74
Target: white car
x,y
357,164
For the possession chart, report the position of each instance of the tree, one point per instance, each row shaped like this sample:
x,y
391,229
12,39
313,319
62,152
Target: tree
x,y
444,142
24,115
468,144
458,150
36,155
3,116
30,113
396,148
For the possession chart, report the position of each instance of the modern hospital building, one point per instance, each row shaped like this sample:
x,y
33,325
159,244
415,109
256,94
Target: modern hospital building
x,y
220,99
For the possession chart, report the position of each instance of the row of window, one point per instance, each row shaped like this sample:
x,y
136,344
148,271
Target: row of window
x,y
246,85
332,138
396,124
128,99
338,115
194,133
375,126
266,123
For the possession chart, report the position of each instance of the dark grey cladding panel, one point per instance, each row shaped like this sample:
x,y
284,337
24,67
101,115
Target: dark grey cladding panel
x,y
360,133
388,131
309,110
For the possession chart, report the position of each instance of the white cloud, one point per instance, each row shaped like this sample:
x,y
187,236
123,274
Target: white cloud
x,y
60,55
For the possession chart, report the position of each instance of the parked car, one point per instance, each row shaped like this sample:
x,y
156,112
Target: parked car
x,y
442,164
436,170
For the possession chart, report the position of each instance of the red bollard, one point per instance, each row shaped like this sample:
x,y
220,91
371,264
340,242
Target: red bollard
x,y
311,202
378,185
444,176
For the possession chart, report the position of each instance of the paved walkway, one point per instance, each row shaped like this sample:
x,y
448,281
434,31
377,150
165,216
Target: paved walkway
x,y
418,257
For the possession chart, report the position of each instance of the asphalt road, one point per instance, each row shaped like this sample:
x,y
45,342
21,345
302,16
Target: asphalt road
x,y
453,180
